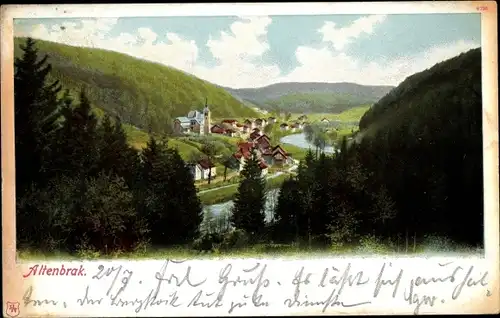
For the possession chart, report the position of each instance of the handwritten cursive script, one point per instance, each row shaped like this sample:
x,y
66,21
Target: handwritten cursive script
x,y
256,287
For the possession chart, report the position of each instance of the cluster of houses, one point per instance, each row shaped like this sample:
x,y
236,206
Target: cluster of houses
x,y
267,154
231,127
199,123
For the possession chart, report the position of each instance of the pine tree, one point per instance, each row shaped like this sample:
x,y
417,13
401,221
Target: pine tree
x,y
36,112
166,195
248,210
78,142
147,195
184,205
287,211
116,155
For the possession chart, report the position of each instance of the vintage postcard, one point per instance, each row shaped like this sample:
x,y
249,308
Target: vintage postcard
x,y
250,159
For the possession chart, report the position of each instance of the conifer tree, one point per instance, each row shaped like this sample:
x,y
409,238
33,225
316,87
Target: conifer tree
x,y
77,148
184,205
248,210
36,108
287,212
116,155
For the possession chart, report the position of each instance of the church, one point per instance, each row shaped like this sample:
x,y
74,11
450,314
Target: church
x,y
196,122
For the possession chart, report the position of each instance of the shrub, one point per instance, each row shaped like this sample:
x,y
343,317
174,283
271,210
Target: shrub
x,y
235,239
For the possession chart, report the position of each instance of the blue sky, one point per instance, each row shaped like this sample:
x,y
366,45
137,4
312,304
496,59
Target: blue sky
x,y
257,51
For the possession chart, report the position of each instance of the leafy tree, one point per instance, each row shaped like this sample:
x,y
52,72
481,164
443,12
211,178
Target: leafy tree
x,y
228,162
107,216
209,150
249,203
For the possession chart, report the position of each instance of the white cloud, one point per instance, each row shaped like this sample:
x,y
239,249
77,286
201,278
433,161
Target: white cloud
x,y
323,65
239,53
341,37
235,55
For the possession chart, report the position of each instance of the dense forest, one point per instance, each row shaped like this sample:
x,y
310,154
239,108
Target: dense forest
x,y
80,187
142,93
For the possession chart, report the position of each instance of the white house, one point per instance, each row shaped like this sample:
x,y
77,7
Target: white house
x,y
201,170
284,127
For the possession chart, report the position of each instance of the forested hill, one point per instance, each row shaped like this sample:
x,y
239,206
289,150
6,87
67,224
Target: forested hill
x,y
311,97
430,92
275,91
423,141
142,93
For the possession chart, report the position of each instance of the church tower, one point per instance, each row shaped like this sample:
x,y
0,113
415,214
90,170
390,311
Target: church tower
x,y
206,118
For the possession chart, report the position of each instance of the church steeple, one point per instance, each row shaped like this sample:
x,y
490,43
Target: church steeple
x,y
206,116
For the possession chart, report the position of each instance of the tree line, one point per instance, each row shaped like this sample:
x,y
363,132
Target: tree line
x,y
80,186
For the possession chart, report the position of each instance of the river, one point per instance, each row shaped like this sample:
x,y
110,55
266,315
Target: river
x,y
223,210
299,140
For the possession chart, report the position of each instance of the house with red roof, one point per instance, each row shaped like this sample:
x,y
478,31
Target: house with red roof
x,y
201,169
276,156
231,122
217,129
245,152
262,142
255,134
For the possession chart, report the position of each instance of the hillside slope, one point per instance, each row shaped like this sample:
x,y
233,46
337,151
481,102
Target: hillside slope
x,y
445,84
142,93
315,103
423,141
343,93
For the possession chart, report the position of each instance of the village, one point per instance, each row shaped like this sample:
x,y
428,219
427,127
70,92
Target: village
x,y
249,135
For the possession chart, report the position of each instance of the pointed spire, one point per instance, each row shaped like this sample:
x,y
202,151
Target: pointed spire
x,y
206,101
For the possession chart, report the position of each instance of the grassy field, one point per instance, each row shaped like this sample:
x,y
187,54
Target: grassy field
x,y
350,115
121,84
296,152
227,194
368,247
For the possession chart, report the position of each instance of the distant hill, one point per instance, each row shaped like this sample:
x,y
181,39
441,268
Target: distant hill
x,y
142,93
315,103
311,97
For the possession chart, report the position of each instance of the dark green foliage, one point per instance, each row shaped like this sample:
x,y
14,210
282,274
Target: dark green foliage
x,y
117,156
88,190
77,148
248,209
287,215
416,170
166,195
428,136
36,113
143,94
